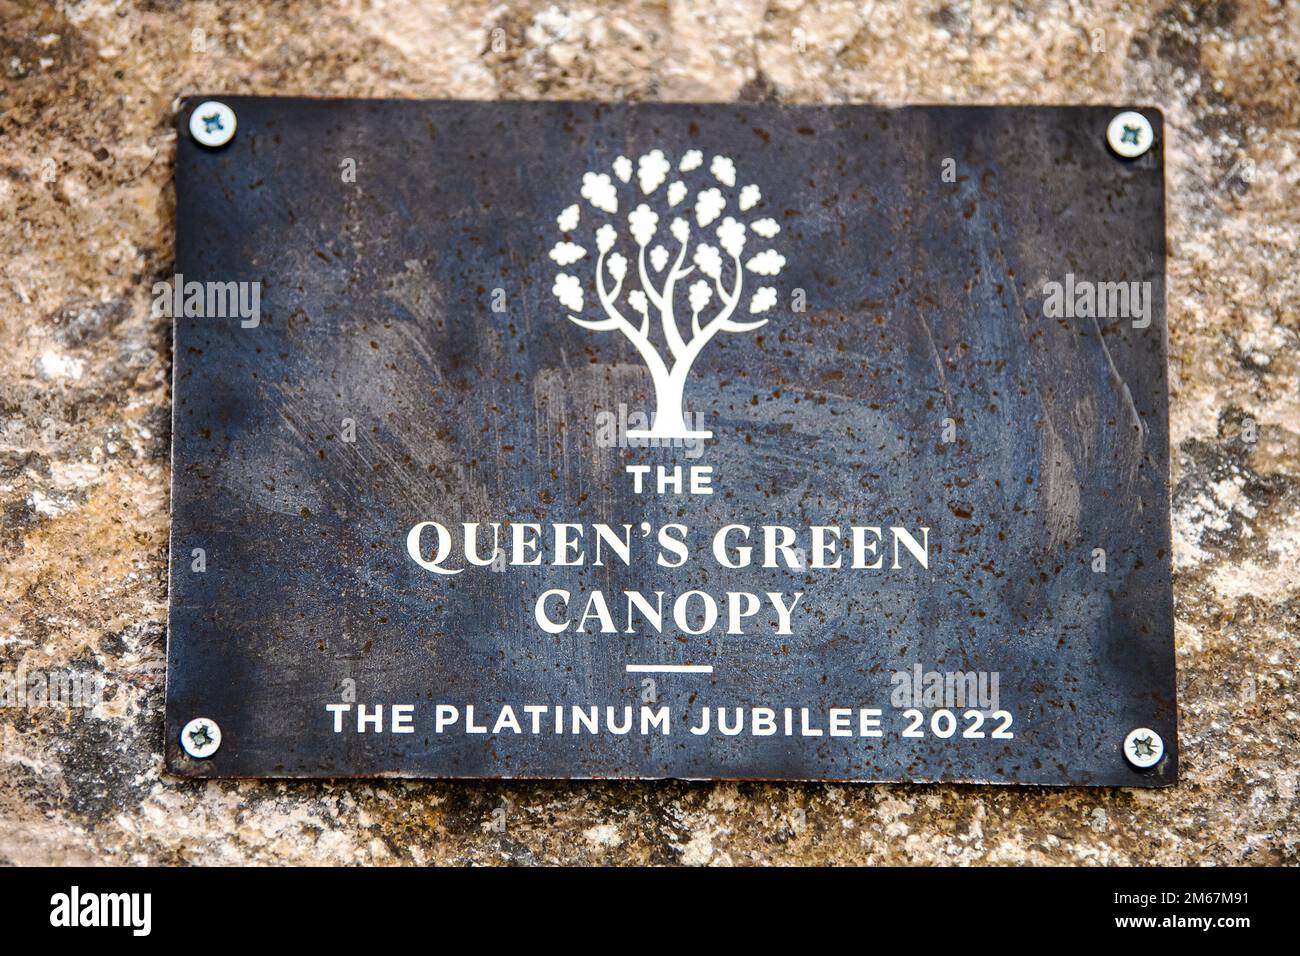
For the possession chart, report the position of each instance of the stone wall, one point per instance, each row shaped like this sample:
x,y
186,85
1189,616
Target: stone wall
x,y
89,95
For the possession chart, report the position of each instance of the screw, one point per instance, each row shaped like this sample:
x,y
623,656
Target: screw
x,y
212,124
201,737
1130,135
1143,748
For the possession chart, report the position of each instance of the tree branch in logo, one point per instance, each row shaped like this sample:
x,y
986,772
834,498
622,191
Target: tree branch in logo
x,y
665,257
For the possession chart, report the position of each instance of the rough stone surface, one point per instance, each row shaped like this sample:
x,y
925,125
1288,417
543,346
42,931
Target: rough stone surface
x,y
89,92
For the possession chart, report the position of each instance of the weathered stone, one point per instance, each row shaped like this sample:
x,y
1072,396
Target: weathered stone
x,y
85,185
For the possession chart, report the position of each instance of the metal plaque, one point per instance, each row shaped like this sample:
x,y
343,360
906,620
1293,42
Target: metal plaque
x,y
739,441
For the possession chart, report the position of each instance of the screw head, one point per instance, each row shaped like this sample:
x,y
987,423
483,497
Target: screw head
x,y
201,738
1130,134
212,124
1143,748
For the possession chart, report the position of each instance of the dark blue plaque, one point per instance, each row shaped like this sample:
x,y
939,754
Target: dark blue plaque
x,y
696,441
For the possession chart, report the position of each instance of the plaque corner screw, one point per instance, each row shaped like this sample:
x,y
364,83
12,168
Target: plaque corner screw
x,y
201,737
212,124
1144,748
1130,134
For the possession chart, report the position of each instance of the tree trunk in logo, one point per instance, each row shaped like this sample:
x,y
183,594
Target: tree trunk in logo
x,y
658,272
669,420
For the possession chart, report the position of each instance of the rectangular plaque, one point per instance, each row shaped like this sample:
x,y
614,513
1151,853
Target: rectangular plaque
x,y
577,440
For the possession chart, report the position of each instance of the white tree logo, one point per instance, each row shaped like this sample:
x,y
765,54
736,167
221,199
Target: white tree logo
x,y
657,286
